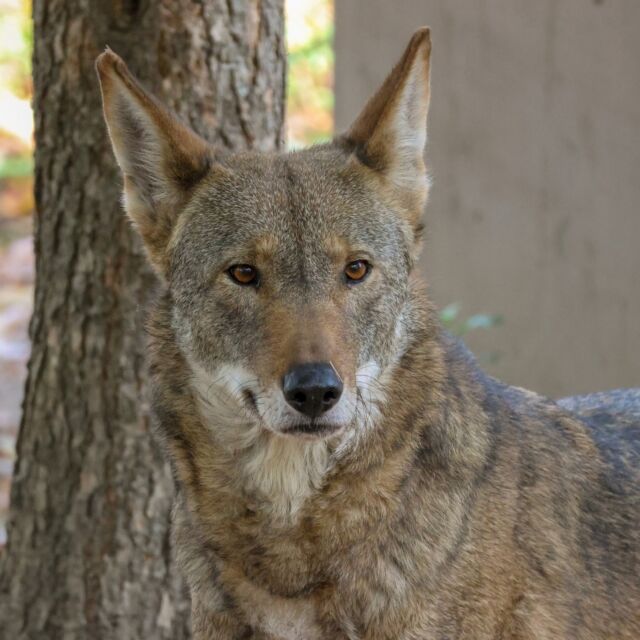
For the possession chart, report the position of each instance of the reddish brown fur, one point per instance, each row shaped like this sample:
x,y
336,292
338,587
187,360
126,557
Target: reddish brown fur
x,y
451,506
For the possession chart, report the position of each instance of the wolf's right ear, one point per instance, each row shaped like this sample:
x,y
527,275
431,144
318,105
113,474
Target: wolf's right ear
x,y
390,134
161,159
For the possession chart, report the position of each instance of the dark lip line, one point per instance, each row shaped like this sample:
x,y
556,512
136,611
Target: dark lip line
x,y
250,399
301,428
310,428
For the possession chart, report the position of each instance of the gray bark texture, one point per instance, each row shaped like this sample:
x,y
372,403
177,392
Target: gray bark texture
x,y
88,553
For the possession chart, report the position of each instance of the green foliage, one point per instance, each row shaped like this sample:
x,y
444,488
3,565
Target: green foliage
x,y
16,166
450,317
310,73
16,43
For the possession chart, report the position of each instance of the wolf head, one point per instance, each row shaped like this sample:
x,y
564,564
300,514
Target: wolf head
x,y
289,274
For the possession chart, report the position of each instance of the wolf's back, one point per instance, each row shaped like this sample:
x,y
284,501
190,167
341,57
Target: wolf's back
x,y
610,522
623,404
614,419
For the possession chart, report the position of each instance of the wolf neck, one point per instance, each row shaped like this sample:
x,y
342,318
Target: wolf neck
x,y
282,472
433,417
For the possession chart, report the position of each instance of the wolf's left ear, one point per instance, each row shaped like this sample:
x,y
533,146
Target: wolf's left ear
x,y
390,134
162,159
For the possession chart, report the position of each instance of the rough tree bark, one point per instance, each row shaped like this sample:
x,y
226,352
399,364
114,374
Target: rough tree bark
x,y
88,553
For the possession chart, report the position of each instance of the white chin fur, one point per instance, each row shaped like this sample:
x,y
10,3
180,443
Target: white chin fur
x,y
282,469
224,394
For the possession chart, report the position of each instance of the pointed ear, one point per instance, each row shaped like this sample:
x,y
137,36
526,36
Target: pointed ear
x,y
390,134
161,159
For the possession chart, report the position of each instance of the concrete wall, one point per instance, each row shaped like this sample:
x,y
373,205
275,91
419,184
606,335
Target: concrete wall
x,y
534,146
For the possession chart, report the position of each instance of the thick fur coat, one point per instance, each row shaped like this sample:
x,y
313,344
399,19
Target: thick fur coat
x,y
432,501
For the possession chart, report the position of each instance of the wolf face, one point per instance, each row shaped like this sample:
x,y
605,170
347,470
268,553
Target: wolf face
x,y
327,276
288,273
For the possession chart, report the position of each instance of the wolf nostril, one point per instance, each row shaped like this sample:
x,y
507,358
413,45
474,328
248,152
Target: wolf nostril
x,y
330,396
312,388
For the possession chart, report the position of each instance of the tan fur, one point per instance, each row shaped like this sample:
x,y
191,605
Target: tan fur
x,y
431,502
170,155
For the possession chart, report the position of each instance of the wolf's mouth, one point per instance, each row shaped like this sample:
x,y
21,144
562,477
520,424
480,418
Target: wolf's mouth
x,y
311,429
250,399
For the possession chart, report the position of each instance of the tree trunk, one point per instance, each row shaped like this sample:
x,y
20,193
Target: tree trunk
x,y
88,550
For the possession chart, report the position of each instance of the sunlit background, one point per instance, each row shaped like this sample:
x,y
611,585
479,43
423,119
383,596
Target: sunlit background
x,y
310,119
16,211
310,81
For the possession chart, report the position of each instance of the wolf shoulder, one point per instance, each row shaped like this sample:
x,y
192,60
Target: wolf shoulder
x,y
619,406
613,421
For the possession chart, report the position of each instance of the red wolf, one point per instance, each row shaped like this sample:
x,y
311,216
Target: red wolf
x,y
345,470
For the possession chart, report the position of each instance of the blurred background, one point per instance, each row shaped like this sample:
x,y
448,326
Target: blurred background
x,y
534,146
16,212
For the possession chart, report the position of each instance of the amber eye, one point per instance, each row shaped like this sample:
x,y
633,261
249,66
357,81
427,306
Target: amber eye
x,y
244,274
357,270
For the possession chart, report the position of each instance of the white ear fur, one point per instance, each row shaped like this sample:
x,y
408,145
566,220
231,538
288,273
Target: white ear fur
x,y
391,131
407,125
138,147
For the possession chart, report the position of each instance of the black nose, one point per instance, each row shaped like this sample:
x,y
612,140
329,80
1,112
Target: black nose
x,y
312,388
